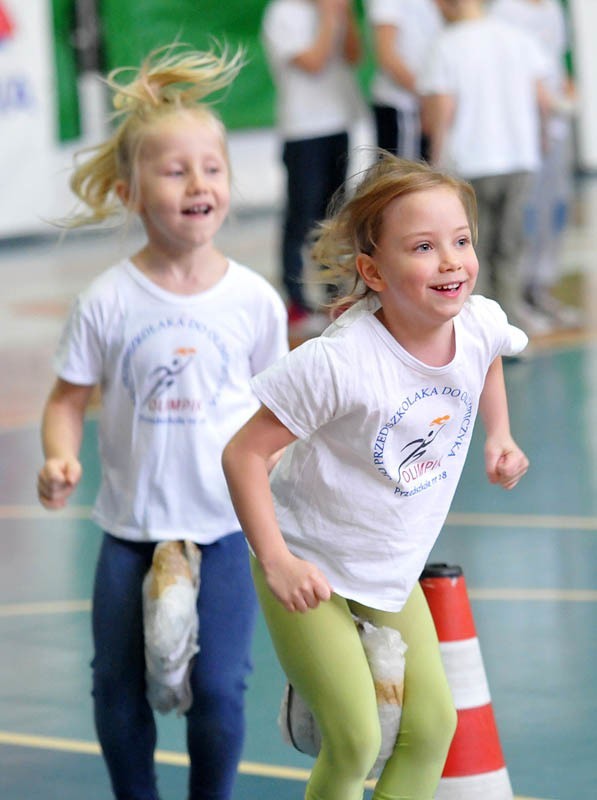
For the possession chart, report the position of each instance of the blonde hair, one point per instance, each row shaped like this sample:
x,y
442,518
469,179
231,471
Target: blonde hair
x,y
171,79
354,227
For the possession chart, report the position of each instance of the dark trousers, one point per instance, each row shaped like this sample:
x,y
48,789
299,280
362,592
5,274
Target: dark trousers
x,y
215,722
315,170
399,132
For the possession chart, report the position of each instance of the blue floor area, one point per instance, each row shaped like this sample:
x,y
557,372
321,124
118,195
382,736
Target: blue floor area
x,y
531,576
71,777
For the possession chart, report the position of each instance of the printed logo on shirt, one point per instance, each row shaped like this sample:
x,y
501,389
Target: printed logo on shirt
x,y
440,418
164,377
170,382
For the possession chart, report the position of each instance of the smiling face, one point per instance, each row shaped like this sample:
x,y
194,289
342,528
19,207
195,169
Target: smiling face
x,y
424,266
181,186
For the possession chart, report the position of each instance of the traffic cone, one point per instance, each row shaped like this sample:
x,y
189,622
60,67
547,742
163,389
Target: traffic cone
x,y
475,768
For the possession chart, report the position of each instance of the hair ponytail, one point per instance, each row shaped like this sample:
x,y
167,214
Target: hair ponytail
x,y
172,78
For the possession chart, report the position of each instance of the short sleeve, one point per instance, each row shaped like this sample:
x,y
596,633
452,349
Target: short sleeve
x,y
78,358
436,76
540,60
515,341
301,389
509,340
384,12
272,334
286,31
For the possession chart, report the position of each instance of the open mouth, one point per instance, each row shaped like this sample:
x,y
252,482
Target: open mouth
x,y
201,209
448,287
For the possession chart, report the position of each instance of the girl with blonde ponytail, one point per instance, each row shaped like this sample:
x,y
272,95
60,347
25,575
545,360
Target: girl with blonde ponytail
x,y
170,80
171,336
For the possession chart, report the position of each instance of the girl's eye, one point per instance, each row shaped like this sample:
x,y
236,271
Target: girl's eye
x,y
424,247
463,241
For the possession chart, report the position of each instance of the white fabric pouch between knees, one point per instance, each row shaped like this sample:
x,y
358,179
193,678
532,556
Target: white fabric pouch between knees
x,y
171,624
385,653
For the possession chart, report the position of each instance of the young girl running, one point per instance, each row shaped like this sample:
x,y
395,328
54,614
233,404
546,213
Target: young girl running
x,y
171,336
377,416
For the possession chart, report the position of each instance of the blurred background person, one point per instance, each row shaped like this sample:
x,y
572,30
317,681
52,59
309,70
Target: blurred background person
x,y
311,46
484,100
549,204
402,32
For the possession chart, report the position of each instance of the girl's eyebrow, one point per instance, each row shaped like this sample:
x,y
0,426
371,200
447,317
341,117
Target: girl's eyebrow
x,y
415,234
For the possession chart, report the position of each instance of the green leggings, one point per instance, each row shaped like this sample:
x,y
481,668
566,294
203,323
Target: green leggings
x,y
321,653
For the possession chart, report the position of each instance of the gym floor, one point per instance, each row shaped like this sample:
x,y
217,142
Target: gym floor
x,y
529,557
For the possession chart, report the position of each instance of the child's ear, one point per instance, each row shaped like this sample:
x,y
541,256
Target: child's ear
x,y
125,195
369,272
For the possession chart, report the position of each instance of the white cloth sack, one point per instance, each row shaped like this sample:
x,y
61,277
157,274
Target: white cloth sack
x,y
385,651
171,625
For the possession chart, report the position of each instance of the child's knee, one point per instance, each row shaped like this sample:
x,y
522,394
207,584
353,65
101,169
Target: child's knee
x,y
434,730
353,749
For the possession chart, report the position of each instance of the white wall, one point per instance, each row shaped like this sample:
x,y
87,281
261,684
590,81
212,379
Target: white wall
x,y
26,114
584,32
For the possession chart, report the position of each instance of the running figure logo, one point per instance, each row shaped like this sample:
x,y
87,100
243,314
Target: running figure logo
x,y
163,377
418,447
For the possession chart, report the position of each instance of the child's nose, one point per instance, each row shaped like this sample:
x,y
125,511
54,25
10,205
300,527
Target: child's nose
x,y
196,182
450,261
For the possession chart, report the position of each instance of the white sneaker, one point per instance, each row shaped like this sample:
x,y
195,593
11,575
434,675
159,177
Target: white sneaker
x,y
532,321
564,315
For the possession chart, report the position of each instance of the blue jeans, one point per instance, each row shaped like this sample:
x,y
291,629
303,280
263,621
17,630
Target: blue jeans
x,y
215,722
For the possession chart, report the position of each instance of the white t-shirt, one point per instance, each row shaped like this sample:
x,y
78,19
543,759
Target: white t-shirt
x,y
174,372
308,104
382,440
417,23
491,68
546,22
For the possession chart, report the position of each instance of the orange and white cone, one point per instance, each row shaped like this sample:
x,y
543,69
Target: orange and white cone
x,y
475,768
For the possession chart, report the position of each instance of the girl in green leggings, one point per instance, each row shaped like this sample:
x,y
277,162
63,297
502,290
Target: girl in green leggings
x,y
375,419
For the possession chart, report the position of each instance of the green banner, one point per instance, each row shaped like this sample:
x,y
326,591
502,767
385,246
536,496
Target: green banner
x,y
129,29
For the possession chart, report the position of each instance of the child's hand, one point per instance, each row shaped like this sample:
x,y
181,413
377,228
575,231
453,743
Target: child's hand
x,y
505,463
298,584
57,480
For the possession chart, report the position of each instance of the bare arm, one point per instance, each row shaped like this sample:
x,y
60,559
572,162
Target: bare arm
x,y
389,60
62,432
505,463
547,102
333,14
352,39
298,584
437,114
